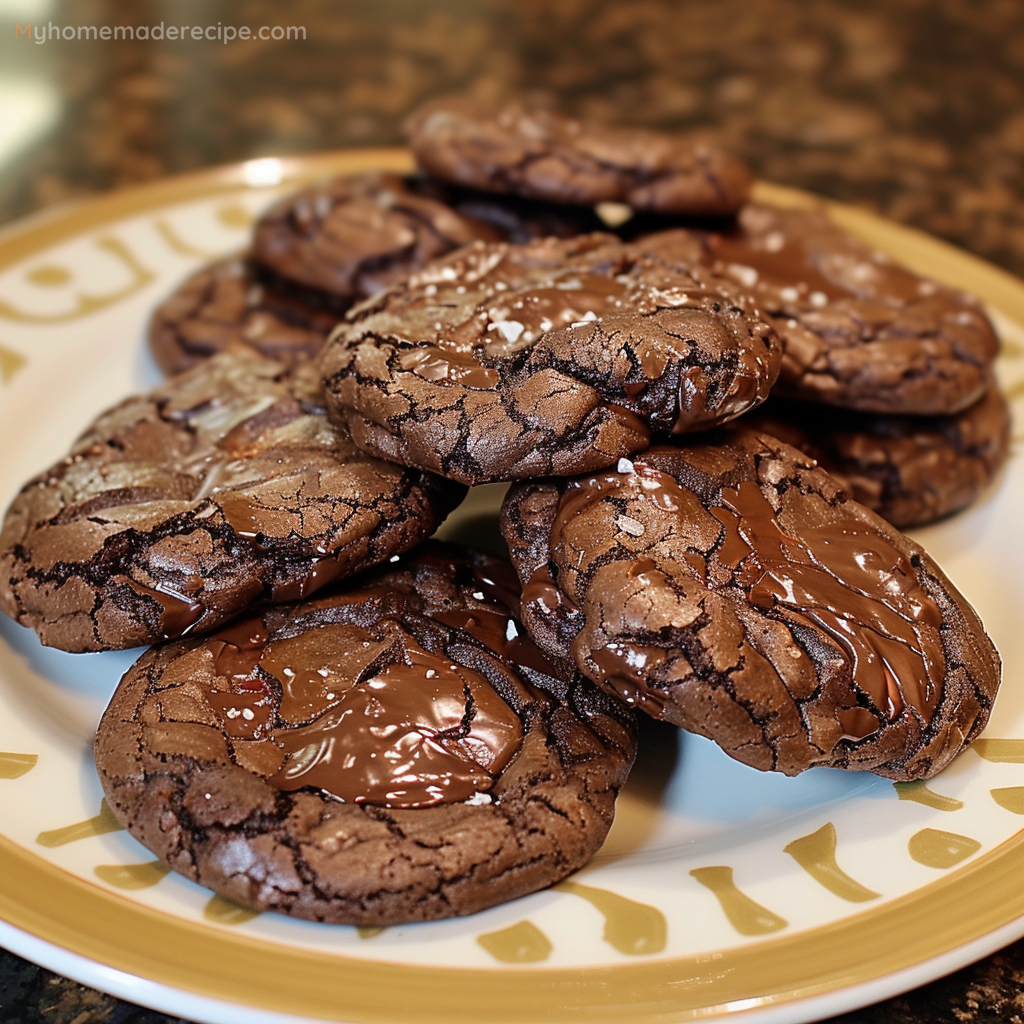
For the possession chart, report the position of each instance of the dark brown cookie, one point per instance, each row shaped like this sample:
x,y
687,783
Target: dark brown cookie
x,y
501,362
346,238
391,752
224,308
911,470
859,330
177,509
547,156
515,218
731,587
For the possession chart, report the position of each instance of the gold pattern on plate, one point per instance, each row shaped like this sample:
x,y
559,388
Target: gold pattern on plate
x,y
919,792
132,876
141,276
937,849
744,914
1010,349
1013,392
103,823
522,943
1011,798
816,854
234,215
49,275
10,363
632,928
102,211
368,932
1000,751
222,911
13,766
16,765
175,242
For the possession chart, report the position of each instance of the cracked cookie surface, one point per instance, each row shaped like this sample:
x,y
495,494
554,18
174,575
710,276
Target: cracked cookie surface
x,y
347,238
225,308
394,751
911,470
343,239
545,155
501,362
731,587
176,510
858,330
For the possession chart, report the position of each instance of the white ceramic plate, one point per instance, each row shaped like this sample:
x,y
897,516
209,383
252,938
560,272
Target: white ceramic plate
x,y
720,892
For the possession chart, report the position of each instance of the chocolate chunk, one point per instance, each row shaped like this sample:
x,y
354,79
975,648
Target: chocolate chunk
x,y
858,330
395,751
731,587
502,362
176,510
225,308
911,470
544,155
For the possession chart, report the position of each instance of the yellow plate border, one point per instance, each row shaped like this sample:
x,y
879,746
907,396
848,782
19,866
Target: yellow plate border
x,y
75,915
107,928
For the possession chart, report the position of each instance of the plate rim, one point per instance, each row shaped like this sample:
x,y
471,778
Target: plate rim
x,y
669,989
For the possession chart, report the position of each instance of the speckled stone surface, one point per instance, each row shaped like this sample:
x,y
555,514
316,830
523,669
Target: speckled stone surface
x,y
912,108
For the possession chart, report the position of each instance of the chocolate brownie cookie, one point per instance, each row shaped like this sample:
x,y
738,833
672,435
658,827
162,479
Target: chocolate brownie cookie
x,y
731,587
224,308
396,751
177,509
858,330
911,470
346,238
501,362
544,155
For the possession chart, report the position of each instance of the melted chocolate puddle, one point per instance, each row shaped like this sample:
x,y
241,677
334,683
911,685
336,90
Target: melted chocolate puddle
x,y
365,718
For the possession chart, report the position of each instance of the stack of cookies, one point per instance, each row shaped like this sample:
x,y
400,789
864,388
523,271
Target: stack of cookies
x,y
714,416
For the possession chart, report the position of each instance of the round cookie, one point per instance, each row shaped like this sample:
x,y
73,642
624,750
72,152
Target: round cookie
x,y
224,308
544,155
911,470
858,330
501,362
177,509
392,752
343,239
732,588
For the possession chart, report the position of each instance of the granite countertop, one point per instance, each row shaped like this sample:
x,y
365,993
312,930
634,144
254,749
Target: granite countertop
x,y
912,108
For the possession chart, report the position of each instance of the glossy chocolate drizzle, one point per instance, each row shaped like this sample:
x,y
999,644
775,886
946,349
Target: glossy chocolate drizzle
x,y
844,579
178,613
852,583
369,717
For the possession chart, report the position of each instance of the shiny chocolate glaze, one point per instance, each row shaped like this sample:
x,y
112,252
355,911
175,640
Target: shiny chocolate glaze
x,y
367,716
390,712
